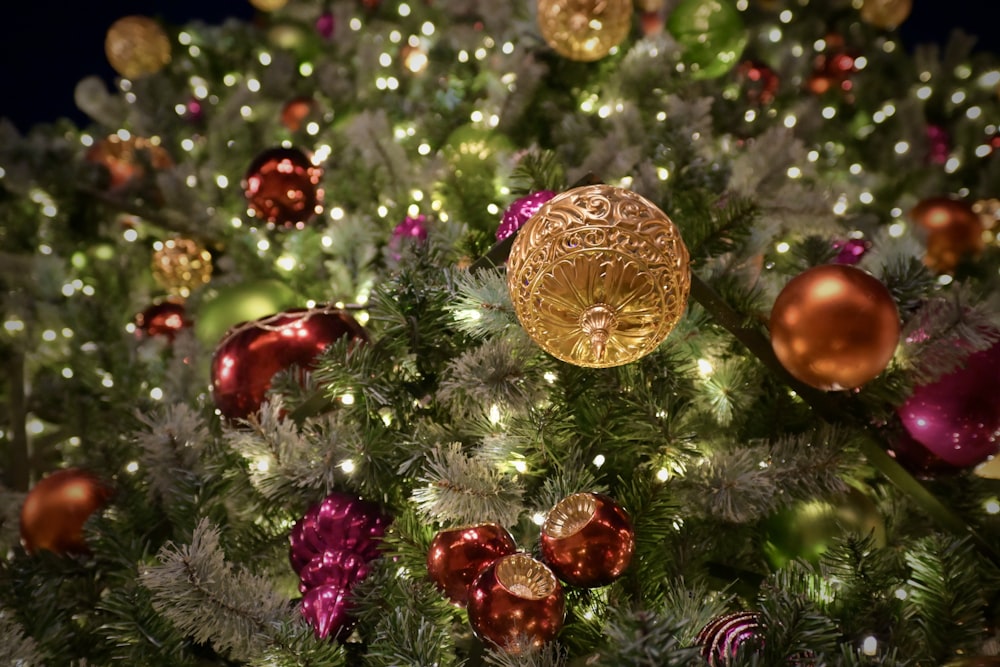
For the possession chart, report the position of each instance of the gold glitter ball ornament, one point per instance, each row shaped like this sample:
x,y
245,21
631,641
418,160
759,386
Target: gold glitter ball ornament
x,y
137,46
599,276
584,30
885,14
181,265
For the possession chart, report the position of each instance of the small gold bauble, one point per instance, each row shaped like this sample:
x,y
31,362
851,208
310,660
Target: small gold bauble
x,y
181,265
584,30
599,276
885,14
136,46
268,5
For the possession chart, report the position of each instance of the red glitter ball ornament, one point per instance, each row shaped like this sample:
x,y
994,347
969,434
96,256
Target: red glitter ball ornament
x,y
56,508
587,540
252,353
282,188
457,555
165,318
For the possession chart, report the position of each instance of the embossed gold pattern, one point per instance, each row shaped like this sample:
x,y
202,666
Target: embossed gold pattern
x,y
584,30
599,276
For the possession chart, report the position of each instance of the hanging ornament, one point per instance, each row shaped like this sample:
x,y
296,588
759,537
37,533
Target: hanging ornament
x,y
953,232
412,227
515,598
988,211
584,30
652,23
759,82
339,567
520,211
885,14
833,68
834,327
128,160
57,507
722,637
587,540
181,266
457,555
599,276
164,318
711,33
252,353
326,24
137,46
850,251
957,417
327,609
938,144
282,188
268,5
241,302
296,111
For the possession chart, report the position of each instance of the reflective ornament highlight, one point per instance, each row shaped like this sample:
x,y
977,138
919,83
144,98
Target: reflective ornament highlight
x,y
516,598
520,211
953,232
599,276
584,30
128,160
136,46
712,34
834,327
885,14
722,637
282,188
181,265
457,555
251,354
56,508
165,318
957,418
587,539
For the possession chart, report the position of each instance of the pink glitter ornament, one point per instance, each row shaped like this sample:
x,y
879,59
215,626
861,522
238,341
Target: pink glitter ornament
x,y
520,211
325,24
722,637
851,251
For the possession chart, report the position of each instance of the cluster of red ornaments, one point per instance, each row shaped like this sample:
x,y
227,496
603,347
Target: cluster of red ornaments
x,y
587,541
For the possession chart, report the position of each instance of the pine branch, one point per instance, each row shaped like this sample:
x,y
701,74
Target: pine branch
x,y
549,655
404,638
10,518
16,648
482,306
538,170
647,639
172,446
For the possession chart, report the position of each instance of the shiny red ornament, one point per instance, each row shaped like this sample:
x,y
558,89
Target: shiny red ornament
x,y
56,508
515,598
295,111
282,188
457,555
834,327
587,539
165,318
760,83
252,353
954,232
833,68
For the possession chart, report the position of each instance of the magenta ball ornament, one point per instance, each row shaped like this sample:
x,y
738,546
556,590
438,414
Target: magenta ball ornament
x,y
957,417
327,609
334,567
520,211
340,522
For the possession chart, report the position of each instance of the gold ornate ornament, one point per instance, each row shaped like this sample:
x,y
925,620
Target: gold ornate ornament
x,y
599,276
584,30
885,14
181,265
137,46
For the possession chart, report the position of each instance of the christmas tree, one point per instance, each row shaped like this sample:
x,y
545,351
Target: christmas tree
x,y
507,333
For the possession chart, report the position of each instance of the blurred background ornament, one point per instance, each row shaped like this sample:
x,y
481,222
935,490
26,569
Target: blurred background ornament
x,y
957,417
759,82
296,110
181,265
57,507
584,30
885,14
833,68
988,211
326,24
953,232
251,354
281,186
128,160
164,318
834,327
457,555
516,598
723,636
520,211
938,144
587,539
712,34
850,251
234,304
268,5
137,46
599,276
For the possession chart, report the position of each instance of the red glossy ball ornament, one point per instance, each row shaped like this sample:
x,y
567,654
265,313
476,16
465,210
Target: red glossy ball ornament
x,y
165,318
252,353
513,598
953,232
282,188
56,508
834,327
457,555
587,540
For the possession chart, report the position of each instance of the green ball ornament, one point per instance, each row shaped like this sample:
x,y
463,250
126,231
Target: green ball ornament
x,y
242,302
712,34
469,146
806,530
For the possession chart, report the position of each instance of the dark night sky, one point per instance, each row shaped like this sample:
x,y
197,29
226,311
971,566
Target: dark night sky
x,y
49,45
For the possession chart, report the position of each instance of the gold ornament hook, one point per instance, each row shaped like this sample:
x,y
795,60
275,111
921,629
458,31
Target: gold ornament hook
x,y
598,322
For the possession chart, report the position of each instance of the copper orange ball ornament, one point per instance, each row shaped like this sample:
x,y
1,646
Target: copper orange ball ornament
x,y
252,353
136,46
954,232
457,555
834,327
885,14
514,598
599,276
281,186
56,509
587,540
584,30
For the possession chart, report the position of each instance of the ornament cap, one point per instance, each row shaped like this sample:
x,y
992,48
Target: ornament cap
x,y
598,322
